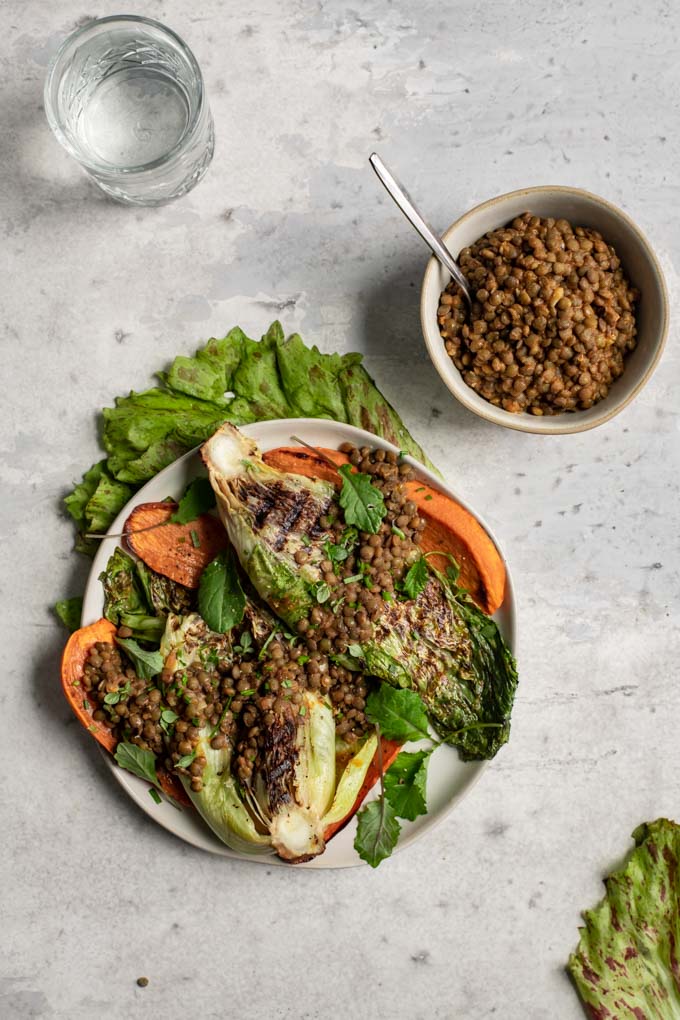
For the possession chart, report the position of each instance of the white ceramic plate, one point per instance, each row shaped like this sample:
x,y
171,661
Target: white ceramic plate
x,y
449,778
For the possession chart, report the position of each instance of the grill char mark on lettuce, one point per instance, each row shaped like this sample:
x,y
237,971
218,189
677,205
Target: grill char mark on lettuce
x,y
269,516
445,648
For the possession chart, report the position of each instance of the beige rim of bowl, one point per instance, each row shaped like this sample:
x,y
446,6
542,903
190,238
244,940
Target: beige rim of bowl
x,y
525,422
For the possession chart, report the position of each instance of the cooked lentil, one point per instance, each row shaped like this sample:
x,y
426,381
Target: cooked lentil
x,y
552,318
242,697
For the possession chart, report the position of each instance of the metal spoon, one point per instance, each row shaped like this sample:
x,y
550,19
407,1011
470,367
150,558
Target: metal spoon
x,y
400,195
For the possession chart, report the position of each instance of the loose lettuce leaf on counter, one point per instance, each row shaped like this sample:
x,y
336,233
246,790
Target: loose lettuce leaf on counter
x,y
208,375
311,380
256,382
233,379
145,432
367,409
95,502
69,612
627,963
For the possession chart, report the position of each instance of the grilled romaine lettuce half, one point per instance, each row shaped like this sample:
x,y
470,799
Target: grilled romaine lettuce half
x,y
448,651
293,793
291,797
269,516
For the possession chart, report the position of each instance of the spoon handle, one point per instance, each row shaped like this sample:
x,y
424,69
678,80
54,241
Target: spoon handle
x,y
400,195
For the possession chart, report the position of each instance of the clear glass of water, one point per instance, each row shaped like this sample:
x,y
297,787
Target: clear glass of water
x,y
125,97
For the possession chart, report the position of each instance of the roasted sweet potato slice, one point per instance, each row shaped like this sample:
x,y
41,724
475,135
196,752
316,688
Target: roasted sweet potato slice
x,y
390,750
171,785
449,527
72,665
178,551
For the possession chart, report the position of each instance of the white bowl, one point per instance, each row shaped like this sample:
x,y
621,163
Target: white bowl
x,y
638,260
449,778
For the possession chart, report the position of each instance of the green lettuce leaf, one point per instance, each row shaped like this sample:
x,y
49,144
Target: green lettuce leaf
x,y
208,375
232,379
69,612
627,963
145,432
367,409
95,502
310,379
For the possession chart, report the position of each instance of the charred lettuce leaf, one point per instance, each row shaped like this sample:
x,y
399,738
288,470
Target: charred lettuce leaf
x,y
627,963
445,648
138,598
232,379
163,594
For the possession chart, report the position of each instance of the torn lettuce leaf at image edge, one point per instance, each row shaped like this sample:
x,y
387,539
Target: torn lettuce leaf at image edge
x,y
626,963
266,379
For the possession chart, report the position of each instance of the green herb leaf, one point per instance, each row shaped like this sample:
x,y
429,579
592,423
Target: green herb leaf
x,y
362,503
347,662
185,761
302,710
405,783
69,612
195,540
138,761
198,498
265,646
354,577
416,578
221,600
245,645
113,697
377,832
399,713
168,719
147,664
322,592
356,651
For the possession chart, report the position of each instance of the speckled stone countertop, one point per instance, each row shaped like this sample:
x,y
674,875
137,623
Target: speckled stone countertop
x,y
467,100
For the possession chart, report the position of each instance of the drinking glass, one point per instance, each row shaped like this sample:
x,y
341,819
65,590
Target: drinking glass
x,y
125,97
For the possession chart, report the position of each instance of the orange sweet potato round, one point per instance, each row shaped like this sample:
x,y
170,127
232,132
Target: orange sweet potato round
x,y
73,662
178,551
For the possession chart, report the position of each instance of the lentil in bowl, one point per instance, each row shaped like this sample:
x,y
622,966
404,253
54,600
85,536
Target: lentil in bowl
x,y
552,320
639,264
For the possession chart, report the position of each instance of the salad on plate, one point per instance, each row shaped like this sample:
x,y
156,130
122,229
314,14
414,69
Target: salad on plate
x,y
271,640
